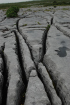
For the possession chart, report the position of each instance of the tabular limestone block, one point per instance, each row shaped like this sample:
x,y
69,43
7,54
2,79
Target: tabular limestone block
x,y
55,100
36,94
57,62
16,85
26,57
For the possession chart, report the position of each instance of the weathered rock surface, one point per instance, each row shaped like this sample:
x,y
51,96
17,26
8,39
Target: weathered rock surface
x,y
57,61
27,62
65,30
36,94
32,29
55,100
16,85
22,77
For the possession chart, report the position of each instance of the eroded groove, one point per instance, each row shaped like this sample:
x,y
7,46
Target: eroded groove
x,y
44,52
5,75
21,61
44,38
51,20
43,44
48,85
24,39
54,83
20,58
23,76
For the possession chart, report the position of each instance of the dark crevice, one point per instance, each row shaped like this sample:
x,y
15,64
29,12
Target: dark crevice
x,y
3,19
6,81
23,75
54,83
44,38
20,58
44,51
39,75
51,20
17,25
24,40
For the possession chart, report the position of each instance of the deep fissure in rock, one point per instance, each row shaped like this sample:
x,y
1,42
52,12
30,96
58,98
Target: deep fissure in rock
x,y
20,58
23,75
54,84
24,40
44,50
51,20
44,38
6,81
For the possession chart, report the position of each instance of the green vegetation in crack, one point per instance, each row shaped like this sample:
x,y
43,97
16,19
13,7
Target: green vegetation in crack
x,y
48,27
39,23
12,11
24,25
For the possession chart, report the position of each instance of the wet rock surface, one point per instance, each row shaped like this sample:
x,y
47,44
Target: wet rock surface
x,y
35,60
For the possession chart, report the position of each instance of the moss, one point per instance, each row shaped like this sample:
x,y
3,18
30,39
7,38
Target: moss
x,y
39,23
24,25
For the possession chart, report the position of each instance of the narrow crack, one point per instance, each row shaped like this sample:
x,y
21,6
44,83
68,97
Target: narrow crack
x,y
6,81
43,46
3,19
23,75
24,40
20,58
44,38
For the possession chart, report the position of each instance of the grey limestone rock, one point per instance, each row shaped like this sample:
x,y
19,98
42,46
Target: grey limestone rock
x,y
26,57
16,85
36,94
57,60
55,100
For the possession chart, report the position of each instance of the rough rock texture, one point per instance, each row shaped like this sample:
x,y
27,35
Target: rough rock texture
x,y
65,30
36,94
16,85
27,62
57,61
32,29
55,100
25,43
